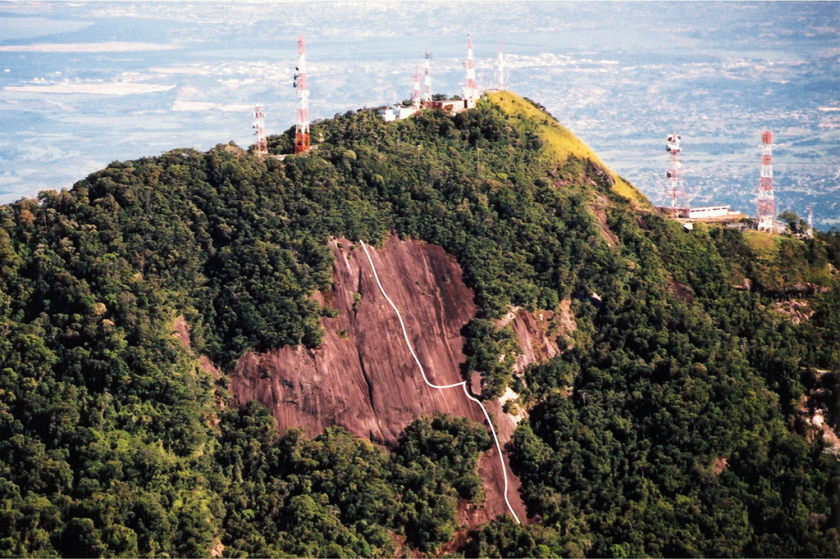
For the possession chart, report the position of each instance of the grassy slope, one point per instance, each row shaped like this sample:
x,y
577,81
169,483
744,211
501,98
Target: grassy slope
x,y
782,260
779,260
561,143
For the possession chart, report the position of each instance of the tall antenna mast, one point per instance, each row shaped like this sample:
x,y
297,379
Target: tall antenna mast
x,y
810,221
302,144
766,210
427,96
416,88
501,69
675,173
261,147
470,88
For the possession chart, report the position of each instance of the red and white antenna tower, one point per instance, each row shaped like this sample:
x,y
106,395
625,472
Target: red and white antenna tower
x,y
427,96
500,68
674,174
470,88
416,88
302,144
766,210
261,147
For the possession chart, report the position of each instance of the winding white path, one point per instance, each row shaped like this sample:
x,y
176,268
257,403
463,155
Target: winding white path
x,y
462,384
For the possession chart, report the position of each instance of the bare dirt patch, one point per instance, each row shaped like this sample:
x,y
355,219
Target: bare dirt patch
x,y
683,292
181,330
599,209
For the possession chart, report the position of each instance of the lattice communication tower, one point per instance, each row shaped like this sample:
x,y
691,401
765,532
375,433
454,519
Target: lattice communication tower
x,y
674,189
261,147
500,68
766,201
302,141
470,87
416,88
427,95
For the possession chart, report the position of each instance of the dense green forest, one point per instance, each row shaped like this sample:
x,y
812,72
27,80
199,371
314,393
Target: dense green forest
x,y
671,428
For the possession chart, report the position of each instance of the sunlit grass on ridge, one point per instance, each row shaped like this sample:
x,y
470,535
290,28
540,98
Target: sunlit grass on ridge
x,y
560,143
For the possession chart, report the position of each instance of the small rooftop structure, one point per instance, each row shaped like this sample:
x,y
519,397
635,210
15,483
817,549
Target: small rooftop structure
x,y
390,114
710,211
451,105
405,112
721,214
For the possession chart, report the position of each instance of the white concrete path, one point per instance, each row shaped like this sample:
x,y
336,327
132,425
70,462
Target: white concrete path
x,y
462,384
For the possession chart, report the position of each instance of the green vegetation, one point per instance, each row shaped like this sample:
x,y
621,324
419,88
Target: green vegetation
x,y
675,439
560,144
780,262
338,496
670,429
490,351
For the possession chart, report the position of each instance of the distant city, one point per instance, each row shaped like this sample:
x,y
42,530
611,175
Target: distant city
x,y
87,83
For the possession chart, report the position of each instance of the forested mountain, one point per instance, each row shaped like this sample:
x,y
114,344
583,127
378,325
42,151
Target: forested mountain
x,y
682,418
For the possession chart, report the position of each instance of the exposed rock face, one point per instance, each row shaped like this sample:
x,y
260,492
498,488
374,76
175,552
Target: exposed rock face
x,y
363,377
181,330
538,333
817,411
797,310
599,210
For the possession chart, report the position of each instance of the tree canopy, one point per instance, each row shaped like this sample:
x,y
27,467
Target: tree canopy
x,y
673,427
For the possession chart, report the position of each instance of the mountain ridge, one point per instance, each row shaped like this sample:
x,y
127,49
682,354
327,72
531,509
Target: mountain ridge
x,y
671,421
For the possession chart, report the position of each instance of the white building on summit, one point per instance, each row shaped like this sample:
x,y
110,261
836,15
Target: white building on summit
x,y
709,211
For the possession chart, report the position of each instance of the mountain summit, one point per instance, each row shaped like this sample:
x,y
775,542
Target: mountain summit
x,y
197,359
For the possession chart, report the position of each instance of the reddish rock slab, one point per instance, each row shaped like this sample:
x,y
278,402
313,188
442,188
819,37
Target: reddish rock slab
x,y
363,377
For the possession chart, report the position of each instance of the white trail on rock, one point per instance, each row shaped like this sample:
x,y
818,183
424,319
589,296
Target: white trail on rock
x,y
462,384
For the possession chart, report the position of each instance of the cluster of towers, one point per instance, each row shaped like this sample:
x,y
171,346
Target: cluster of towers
x,y
766,211
423,97
471,94
675,190
302,139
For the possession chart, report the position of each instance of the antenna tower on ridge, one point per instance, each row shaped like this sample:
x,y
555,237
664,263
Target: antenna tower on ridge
x,y
427,96
302,141
766,210
416,88
675,188
470,88
810,221
261,147
500,68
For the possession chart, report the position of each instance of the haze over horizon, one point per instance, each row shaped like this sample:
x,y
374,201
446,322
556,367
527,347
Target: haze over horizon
x,y
87,83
